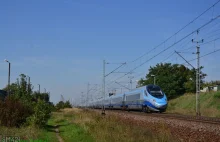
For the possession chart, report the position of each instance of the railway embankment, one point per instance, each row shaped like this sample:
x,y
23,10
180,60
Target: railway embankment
x,y
186,104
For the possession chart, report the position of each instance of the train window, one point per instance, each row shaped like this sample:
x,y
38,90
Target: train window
x,y
155,91
145,91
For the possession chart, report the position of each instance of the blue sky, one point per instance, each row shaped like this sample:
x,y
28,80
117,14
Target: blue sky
x,y
61,44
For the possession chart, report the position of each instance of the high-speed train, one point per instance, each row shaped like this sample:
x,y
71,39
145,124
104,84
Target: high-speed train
x,y
146,98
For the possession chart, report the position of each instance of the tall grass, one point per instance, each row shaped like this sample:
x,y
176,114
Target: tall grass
x,y
111,128
186,104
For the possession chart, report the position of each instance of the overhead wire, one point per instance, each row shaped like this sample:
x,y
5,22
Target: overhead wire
x,y
173,36
168,57
172,53
178,30
203,55
171,45
200,44
169,39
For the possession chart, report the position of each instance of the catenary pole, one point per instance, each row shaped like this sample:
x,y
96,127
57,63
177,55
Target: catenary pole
x,y
198,75
9,75
103,88
87,94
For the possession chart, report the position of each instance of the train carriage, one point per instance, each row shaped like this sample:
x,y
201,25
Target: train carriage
x,y
146,98
116,101
134,99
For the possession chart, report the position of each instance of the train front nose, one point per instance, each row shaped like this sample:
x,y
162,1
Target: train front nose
x,y
161,105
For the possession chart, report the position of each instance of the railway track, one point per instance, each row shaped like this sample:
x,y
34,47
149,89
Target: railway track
x,y
201,119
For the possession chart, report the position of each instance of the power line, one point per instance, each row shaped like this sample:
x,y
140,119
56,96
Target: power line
x,y
190,60
211,41
204,55
168,56
212,32
184,59
174,52
212,27
171,46
213,35
178,31
179,40
170,38
201,44
122,64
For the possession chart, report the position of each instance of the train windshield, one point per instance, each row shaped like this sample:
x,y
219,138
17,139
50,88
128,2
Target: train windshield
x,y
155,91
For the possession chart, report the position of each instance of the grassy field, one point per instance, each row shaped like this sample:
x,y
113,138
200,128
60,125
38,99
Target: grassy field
x,y
186,104
77,125
88,126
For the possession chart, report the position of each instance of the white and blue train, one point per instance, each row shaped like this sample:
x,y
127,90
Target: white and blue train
x,y
146,98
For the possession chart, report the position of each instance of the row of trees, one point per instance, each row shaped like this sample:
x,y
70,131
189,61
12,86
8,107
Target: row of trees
x,y
174,79
62,105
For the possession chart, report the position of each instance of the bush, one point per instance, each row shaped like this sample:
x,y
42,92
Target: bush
x,y
41,114
62,105
13,112
67,105
217,95
24,105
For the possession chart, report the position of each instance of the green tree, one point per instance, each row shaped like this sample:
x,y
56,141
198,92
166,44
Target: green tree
x,y
62,105
67,104
41,96
21,89
174,79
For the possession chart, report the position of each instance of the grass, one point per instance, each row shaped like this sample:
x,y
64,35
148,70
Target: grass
x,y
186,104
109,128
69,131
29,134
77,125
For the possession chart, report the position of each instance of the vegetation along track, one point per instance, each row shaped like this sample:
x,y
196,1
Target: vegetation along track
x,y
202,119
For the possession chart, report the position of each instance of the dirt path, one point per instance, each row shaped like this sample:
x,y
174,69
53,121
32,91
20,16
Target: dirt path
x,y
58,135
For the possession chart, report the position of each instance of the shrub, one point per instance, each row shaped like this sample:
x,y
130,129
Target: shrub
x,y
62,105
41,114
67,105
13,112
